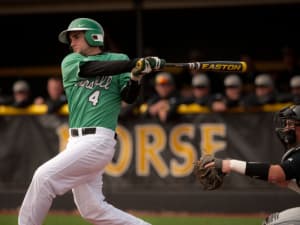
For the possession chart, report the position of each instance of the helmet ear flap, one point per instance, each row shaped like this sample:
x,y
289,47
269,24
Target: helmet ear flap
x,y
94,38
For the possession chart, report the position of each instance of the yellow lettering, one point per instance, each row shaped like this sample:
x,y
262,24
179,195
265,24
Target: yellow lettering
x,y
205,65
224,67
183,149
119,167
211,66
209,145
150,142
63,135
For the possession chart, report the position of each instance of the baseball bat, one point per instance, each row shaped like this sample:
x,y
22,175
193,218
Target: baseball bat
x,y
213,66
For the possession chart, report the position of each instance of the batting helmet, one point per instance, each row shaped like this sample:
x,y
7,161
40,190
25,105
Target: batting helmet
x,y
286,120
94,34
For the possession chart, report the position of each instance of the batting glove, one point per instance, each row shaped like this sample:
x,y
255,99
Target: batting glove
x,y
142,67
155,62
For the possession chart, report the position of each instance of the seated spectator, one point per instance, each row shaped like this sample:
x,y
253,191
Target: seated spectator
x,y
264,93
295,89
163,104
21,94
56,97
129,111
232,97
200,90
291,67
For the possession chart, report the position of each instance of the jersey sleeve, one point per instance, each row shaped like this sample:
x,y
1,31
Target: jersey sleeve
x,y
124,77
105,68
70,68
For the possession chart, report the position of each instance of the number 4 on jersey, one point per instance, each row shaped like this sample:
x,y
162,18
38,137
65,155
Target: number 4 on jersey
x,y
94,97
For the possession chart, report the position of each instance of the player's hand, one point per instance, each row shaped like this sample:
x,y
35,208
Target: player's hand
x,y
210,177
155,62
142,67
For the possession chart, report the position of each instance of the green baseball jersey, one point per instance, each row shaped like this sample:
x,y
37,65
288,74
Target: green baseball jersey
x,y
93,101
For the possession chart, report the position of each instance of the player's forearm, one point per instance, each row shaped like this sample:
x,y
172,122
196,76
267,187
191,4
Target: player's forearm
x,y
258,170
252,169
106,68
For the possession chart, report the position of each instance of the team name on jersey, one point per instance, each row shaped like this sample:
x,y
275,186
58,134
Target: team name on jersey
x,y
103,82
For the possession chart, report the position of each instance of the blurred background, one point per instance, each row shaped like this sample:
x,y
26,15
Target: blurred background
x,y
171,29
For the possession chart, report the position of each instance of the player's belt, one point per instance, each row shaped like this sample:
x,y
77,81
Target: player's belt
x,y
84,131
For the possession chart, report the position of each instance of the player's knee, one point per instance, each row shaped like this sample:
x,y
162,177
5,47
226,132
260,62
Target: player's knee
x,y
39,175
41,181
93,211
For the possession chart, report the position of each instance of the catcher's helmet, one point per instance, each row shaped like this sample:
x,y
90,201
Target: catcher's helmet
x,y
286,120
94,34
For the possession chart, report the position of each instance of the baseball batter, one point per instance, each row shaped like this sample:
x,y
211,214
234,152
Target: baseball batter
x,y
285,174
95,83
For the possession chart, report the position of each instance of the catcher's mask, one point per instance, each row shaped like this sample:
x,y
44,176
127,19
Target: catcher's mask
x,y
286,121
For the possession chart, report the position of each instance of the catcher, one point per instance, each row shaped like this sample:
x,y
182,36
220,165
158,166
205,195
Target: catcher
x,y
210,170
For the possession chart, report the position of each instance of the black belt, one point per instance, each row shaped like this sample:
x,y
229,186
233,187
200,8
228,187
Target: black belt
x,y
85,131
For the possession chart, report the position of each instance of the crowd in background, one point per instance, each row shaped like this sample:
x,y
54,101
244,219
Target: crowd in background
x,y
163,92
22,95
220,92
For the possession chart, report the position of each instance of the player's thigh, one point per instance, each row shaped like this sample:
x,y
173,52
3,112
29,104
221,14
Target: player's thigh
x,y
74,166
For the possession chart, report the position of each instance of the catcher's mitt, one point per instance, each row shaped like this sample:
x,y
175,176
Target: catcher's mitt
x,y
210,178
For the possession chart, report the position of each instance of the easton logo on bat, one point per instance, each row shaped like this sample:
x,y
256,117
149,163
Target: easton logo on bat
x,y
221,67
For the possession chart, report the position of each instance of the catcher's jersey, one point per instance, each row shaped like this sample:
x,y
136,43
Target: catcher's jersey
x,y
92,101
290,163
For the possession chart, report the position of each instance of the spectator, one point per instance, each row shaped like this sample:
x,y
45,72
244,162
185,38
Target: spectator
x,y
163,104
264,93
291,67
200,90
21,94
233,91
232,97
129,111
295,89
56,97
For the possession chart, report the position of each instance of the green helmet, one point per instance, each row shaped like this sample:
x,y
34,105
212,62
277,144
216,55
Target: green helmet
x,y
94,34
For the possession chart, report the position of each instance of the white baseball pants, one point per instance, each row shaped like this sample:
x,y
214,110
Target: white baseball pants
x,y
80,168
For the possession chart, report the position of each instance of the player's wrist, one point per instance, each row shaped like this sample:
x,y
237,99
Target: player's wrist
x,y
252,169
237,166
141,68
135,77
